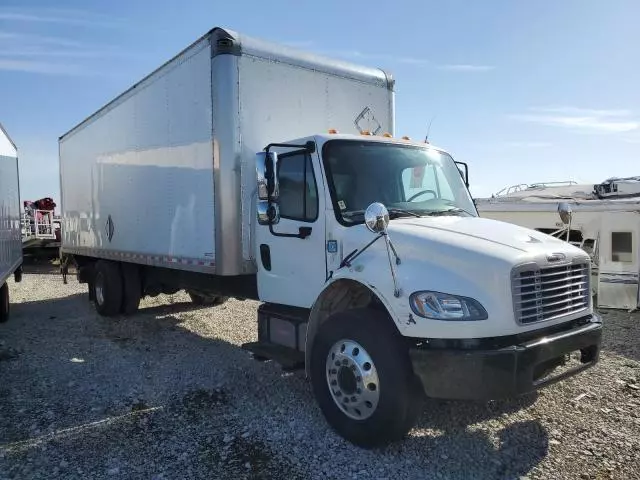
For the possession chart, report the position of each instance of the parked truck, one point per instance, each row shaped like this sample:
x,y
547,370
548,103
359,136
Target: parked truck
x,y
10,233
251,170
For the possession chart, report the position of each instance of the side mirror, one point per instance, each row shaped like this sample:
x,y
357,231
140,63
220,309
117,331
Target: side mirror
x,y
465,174
268,214
564,210
376,217
266,175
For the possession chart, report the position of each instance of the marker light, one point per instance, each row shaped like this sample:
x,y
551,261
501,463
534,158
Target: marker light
x,y
387,134
406,138
365,132
333,130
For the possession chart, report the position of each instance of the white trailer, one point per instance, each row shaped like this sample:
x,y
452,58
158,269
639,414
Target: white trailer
x,y
10,238
250,170
604,221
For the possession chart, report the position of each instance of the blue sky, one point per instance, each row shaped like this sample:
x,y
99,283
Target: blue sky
x,y
522,91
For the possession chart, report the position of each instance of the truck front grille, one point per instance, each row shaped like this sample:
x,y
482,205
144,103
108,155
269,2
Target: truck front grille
x,y
547,293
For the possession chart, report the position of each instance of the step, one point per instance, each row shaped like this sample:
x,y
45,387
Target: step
x,y
288,358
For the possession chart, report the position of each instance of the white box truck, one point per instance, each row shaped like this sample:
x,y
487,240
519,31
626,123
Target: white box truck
x,y
250,170
10,229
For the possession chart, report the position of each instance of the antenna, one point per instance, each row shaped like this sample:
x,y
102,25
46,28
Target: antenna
x,y
426,139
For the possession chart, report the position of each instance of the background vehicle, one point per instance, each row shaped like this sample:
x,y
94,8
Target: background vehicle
x,y
603,222
10,243
377,275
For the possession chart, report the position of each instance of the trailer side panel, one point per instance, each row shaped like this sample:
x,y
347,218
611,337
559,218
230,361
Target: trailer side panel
x,y
137,178
10,237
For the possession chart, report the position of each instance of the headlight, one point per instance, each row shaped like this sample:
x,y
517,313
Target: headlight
x,y
441,306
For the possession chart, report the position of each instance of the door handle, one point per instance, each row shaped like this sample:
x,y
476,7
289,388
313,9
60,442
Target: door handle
x,y
304,232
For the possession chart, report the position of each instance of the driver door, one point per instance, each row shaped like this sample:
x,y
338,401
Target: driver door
x,y
292,270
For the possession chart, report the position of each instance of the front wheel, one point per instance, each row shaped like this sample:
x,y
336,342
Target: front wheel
x,y
362,378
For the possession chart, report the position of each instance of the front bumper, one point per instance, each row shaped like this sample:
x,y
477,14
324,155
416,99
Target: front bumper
x,y
491,374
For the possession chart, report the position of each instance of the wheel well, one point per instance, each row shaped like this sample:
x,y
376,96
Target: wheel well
x,y
341,295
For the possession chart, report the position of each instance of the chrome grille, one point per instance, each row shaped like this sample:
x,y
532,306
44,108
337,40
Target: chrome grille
x,y
546,293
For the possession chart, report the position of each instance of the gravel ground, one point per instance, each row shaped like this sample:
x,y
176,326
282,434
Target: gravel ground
x,y
168,394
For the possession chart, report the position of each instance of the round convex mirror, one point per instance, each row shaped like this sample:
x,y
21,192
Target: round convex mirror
x,y
376,217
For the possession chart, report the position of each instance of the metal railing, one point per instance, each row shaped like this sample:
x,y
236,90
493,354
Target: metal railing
x,y
38,224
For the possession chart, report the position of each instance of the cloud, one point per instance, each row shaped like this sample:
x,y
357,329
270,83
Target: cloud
x,y
465,67
527,144
67,17
582,120
582,111
356,54
299,43
43,67
413,61
41,54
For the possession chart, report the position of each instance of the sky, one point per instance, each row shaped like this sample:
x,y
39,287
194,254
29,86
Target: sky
x,y
524,92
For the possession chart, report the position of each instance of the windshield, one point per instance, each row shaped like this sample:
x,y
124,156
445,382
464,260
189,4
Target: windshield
x,y
407,179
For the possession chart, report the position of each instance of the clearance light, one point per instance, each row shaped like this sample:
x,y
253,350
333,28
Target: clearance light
x,y
365,132
406,138
387,134
333,130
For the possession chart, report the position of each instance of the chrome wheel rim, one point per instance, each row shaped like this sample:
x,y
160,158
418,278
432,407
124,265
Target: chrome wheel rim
x,y
352,379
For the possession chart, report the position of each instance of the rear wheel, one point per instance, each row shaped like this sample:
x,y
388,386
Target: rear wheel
x,y
208,300
362,378
107,288
4,303
132,288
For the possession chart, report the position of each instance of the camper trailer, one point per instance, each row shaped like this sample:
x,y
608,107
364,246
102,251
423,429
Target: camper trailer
x,y
10,241
602,219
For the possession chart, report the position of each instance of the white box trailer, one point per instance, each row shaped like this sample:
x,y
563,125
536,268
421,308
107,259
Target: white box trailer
x,y
10,238
246,169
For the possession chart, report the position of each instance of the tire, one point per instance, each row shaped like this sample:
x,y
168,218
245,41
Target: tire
x,y
213,300
108,289
4,303
132,288
383,414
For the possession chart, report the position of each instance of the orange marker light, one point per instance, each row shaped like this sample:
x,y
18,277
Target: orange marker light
x,y
333,130
387,134
406,138
365,132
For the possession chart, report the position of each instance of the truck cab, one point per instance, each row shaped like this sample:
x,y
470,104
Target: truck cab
x,y
401,289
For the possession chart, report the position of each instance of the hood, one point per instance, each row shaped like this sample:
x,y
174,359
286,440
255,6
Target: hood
x,y
482,235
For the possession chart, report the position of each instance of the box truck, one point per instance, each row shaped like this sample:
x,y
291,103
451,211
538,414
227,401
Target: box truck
x,y
10,229
251,170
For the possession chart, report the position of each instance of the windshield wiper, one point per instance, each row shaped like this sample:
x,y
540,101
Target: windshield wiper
x,y
398,212
393,213
449,211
